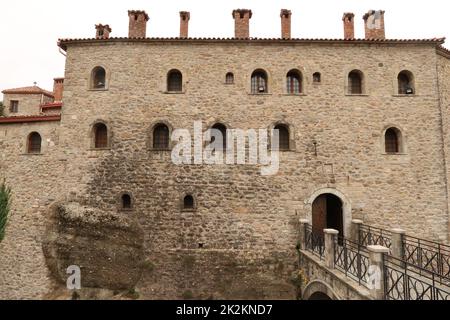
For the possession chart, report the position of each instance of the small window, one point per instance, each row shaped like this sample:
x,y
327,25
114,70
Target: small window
x,y
392,141
14,106
174,81
100,136
355,82
294,82
405,83
126,202
283,132
98,78
161,137
229,78
34,143
223,130
259,82
317,77
188,202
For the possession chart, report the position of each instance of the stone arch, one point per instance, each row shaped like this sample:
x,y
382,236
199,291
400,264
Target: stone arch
x,y
401,135
291,130
321,287
346,206
92,131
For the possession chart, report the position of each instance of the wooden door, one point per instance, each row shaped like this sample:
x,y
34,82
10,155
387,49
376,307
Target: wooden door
x,y
319,214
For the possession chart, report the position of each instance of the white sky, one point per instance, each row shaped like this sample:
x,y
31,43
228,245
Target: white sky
x,y
29,29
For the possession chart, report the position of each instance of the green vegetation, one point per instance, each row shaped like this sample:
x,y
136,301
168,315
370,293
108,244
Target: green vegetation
x,y
5,203
2,108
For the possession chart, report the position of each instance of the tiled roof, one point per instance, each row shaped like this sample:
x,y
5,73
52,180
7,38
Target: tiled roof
x,y
24,119
51,105
28,90
64,42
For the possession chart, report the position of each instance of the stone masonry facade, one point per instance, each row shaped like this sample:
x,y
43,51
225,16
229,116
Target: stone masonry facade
x,y
240,240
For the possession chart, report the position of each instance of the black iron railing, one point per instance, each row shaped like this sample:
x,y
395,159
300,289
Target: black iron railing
x,y
428,255
403,281
350,258
314,242
369,236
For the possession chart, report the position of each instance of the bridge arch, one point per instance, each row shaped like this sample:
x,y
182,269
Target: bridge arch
x,y
346,206
319,290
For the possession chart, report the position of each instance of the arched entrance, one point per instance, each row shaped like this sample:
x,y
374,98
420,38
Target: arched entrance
x,y
327,213
319,296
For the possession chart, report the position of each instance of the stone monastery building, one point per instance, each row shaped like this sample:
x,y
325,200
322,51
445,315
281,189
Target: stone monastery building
x,y
364,134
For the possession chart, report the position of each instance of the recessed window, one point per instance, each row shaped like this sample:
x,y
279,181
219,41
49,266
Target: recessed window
x,y
284,140
393,141
229,78
294,82
405,82
259,82
221,130
14,106
126,202
355,82
174,81
188,202
100,136
161,137
317,77
34,143
98,80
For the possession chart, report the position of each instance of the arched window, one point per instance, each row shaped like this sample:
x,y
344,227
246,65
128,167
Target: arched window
x,y
126,202
405,83
174,81
317,77
294,82
98,78
355,82
220,145
161,137
392,140
188,202
34,143
229,78
259,82
283,133
100,136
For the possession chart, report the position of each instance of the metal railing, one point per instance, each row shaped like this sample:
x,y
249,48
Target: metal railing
x,y
350,258
369,236
403,281
427,255
314,242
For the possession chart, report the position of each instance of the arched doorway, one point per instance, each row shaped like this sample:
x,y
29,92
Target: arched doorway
x,y
327,213
319,296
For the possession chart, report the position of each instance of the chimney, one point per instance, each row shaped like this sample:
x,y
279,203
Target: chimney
x,y
242,23
138,23
58,88
374,24
184,24
349,25
102,31
285,23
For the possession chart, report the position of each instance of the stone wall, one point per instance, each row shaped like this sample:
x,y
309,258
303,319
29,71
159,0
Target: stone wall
x,y
28,103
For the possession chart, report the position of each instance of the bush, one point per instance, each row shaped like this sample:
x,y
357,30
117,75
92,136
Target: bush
x,y
5,203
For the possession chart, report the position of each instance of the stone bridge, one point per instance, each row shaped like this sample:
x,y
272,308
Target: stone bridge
x,y
373,264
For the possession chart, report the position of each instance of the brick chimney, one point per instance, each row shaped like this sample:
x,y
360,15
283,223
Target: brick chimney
x,y
58,89
374,24
184,24
102,31
242,23
349,25
285,23
138,24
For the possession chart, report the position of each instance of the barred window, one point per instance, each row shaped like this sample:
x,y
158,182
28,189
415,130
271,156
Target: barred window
x,y
392,143
355,82
161,137
14,106
34,143
294,82
283,133
405,83
100,136
229,78
174,81
98,78
259,82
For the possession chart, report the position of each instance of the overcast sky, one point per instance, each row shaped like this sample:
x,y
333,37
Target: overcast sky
x,y
29,29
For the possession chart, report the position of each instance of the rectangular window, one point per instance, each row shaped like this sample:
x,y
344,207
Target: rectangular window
x,y
14,106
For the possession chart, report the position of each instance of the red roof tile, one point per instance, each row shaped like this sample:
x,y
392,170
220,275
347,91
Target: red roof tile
x,y
28,90
24,119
